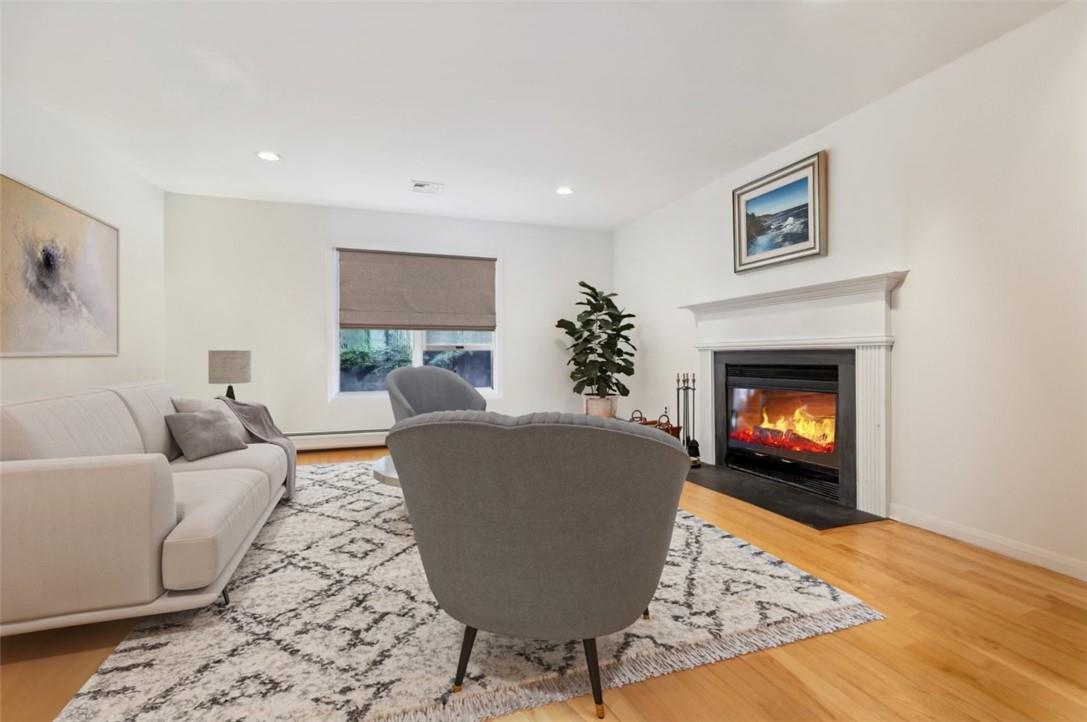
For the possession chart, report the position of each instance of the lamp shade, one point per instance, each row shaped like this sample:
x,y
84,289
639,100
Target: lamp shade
x,y
228,367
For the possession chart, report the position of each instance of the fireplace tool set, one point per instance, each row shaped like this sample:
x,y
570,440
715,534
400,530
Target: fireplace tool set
x,y
684,431
685,415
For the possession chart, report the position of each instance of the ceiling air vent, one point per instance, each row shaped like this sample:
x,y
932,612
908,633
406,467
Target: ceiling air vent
x,y
419,186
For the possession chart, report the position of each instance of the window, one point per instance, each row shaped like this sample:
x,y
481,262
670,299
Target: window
x,y
414,309
367,355
469,354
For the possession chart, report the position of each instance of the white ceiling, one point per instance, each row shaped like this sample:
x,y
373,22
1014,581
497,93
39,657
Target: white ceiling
x,y
631,104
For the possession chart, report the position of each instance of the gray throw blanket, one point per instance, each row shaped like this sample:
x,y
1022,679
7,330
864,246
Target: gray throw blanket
x,y
257,420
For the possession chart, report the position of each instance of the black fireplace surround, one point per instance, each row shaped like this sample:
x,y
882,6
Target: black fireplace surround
x,y
789,416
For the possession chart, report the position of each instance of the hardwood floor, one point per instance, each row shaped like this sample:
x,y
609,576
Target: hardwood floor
x,y
969,635
39,672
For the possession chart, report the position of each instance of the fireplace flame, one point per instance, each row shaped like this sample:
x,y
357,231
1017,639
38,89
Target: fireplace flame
x,y
800,431
802,423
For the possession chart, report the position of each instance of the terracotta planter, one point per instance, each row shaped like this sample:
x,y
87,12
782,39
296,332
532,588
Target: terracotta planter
x,y
600,406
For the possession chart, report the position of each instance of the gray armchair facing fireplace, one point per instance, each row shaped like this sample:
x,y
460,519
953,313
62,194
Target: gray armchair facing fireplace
x,y
545,526
419,390
424,389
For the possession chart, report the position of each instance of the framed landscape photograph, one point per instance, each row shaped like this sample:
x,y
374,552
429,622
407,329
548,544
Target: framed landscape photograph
x,y
59,277
781,216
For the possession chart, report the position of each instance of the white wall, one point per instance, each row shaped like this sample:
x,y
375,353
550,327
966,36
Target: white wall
x,y
259,276
41,151
974,178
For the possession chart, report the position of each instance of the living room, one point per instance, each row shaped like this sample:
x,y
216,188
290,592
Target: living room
x,y
729,358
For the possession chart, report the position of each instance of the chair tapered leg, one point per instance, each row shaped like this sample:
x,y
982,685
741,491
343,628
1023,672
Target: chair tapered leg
x,y
465,653
645,614
594,675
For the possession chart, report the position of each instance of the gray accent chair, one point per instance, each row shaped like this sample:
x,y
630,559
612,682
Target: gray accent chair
x,y
546,526
423,389
420,390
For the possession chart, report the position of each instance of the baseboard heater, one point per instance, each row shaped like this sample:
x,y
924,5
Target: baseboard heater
x,y
308,440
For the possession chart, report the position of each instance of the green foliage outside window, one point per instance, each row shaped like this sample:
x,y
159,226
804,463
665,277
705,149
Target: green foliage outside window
x,y
366,357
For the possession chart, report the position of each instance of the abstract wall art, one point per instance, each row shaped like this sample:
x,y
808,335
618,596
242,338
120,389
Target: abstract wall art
x,y
58,269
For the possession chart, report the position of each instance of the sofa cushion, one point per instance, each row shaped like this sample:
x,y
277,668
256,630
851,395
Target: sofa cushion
x,y
216,510
267,458
92,423
203,433
186,405
149,403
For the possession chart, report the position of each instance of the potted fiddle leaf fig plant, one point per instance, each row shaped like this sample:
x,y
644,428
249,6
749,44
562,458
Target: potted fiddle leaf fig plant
x,y
600,350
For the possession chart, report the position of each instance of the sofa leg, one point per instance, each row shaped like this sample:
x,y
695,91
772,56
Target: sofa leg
x,y
226,598
465,653
594,675
645,614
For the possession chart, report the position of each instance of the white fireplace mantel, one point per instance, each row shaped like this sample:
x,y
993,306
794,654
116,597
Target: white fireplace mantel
x,y
852,313
880,282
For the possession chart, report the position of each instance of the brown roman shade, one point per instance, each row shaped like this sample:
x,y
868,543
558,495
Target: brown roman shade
x,y
381,289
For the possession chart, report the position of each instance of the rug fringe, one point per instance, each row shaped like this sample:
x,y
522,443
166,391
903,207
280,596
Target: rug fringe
x,y
483,705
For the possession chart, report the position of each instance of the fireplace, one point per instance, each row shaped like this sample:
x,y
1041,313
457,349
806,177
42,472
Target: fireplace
x,y
844,323
788,416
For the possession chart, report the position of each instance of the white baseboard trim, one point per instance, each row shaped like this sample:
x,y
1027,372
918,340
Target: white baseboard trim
x,y
1029,553
309,442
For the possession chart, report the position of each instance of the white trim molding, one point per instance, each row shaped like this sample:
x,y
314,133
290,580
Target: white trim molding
x,y
853,313
338,440
782,343
880,282
1028,553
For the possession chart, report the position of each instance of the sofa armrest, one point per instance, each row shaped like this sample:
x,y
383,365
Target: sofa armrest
x,y
82,533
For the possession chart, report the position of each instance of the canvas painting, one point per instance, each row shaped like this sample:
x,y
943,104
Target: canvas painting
x,y
59,271
782,216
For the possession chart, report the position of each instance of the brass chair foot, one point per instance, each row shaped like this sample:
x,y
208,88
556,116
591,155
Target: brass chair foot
x,y
457,688
600,711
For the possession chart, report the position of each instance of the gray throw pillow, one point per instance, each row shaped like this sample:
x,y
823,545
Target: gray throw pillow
x,y
186,405
203,433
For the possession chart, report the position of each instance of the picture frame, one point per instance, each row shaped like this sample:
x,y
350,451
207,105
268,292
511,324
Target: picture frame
x,y
60,268
781,216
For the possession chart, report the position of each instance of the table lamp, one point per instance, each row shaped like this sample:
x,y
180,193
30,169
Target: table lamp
x,y
228,367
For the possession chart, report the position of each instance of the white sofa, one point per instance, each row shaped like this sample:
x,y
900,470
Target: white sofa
x,y
100,518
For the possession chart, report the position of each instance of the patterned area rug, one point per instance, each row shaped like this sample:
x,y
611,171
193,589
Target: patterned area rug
x,y
331,618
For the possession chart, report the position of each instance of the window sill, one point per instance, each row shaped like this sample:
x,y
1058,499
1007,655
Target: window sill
x,y
359,394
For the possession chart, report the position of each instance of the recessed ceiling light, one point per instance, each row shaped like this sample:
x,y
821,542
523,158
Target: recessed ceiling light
x,y
269,155
564,190
421,186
